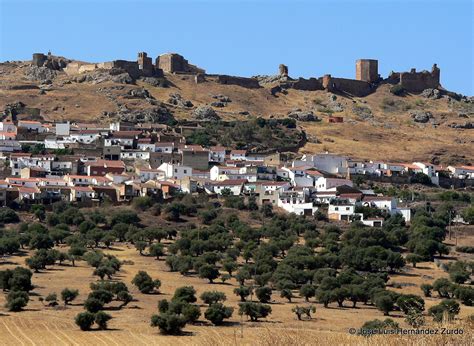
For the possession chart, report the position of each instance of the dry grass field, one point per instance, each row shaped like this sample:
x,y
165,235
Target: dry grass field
x,y
389,132
40,325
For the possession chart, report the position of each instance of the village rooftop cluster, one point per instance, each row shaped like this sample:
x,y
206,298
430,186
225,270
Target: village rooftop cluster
x,y
120,161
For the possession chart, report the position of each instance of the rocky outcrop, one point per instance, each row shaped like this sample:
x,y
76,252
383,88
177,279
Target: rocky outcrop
x,y
362,112
179,101
303,116
101,76
432,94
205,113
156,82
466,125
421,116
222,98
159,114
139,94
40,74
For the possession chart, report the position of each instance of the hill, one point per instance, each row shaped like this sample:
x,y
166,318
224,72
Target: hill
x,y
411,127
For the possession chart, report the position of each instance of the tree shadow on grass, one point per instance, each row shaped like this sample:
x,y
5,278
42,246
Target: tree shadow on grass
x,y
8,263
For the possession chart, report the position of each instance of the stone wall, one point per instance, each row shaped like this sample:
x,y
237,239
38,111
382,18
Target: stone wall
x,y
175,63
416,81
129,66
245,82
142,67
349,86
311,84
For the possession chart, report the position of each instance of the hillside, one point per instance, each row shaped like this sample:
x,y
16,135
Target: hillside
x,y
378,126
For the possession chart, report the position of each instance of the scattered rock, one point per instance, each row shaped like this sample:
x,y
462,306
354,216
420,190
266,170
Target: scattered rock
x,y
303,116
154,115
156,82
467,125
141,93
463,115
218,104
42,74
265,79
421,116
244,113
432,94
177,100
205,113
362,112
100,76
222,98
335,106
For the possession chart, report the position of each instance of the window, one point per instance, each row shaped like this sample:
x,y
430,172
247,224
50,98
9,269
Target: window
x,y
185,171
336,208
347,208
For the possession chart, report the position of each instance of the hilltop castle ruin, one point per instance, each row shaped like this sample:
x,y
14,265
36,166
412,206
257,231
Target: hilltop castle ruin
x,y
143,67
367,77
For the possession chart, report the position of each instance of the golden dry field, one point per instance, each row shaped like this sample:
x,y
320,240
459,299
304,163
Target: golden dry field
x,y
40,325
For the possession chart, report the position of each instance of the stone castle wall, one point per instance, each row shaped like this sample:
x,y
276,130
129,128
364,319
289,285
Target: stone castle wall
x,y
175,63
245,82
416,81
349,86
310,84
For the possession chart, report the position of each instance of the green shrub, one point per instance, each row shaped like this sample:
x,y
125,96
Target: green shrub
x,y
397,90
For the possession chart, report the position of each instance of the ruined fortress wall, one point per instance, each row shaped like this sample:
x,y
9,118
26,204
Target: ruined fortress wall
x,y
416,81
311,84
419,81
175,63
130,66
106,65
350,86
250,83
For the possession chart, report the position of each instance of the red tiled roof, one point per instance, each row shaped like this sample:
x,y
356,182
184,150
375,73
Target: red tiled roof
x,y
106,163
82,188
231,182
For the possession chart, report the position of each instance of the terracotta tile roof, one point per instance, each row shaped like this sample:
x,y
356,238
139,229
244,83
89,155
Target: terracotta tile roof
x,y
24,189
230,182
82,188
106,163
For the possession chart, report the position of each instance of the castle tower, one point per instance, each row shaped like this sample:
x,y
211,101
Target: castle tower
x,y
38,59
435,72
283,70
145,64
367,70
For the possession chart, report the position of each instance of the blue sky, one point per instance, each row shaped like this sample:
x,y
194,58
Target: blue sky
x,y
252,37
